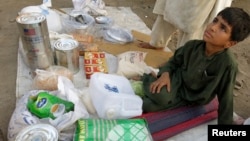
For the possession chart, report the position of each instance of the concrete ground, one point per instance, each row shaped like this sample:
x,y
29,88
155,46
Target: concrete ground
x,y
9,44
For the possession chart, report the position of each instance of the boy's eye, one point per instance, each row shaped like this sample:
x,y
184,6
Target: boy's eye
x,y
223,27
215,20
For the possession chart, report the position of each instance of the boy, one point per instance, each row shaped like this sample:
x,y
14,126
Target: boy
x,y
201,69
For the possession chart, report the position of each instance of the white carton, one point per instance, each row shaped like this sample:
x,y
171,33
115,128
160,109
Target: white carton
x,y
113,97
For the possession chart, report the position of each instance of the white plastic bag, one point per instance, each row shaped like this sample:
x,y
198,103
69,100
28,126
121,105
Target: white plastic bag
x,y
67,89
48,3
22,117
86,99
92,7
78,4
131,64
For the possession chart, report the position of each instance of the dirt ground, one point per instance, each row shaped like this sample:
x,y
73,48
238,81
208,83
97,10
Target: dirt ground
x,y
143,8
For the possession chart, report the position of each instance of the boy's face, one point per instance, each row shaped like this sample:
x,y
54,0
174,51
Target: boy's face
x,y
218,33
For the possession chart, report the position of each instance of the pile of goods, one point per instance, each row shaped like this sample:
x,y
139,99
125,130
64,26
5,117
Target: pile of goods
x,y
57,47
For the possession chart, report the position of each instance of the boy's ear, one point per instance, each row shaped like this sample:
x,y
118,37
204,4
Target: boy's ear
x,y
230,43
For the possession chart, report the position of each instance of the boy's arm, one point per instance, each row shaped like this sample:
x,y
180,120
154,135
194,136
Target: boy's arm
x,y
225,97
173,63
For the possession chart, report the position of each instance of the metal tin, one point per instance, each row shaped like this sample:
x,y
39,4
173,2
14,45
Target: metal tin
x,y
38,132
35,40
67,54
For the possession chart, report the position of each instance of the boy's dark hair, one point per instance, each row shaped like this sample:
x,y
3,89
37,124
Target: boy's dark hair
x,y
239,20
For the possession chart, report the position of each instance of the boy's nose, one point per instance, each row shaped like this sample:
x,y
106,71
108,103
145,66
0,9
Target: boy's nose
x,y
214,26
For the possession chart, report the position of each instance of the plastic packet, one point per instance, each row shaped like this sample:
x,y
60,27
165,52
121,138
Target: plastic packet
x,y
45,105
48,79
78,4
131,64
78,22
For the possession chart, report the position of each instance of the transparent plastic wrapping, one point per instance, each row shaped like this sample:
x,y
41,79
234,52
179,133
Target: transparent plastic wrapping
x,y
48,79
77,22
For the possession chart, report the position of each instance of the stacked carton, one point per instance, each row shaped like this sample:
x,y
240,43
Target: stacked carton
x,y
94,62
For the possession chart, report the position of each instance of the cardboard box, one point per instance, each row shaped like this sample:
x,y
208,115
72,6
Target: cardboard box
x,y
154,58
94,55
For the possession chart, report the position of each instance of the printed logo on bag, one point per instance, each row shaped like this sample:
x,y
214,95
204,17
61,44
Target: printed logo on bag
x,y
41,102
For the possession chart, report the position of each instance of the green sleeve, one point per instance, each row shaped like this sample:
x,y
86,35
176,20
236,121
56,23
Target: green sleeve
x,y
225,96
174,62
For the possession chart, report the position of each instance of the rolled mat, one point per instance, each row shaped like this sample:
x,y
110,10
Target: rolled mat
x,y
171,131
158,121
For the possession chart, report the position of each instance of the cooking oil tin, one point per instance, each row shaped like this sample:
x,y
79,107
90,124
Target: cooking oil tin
x,y
36,47
67,53
38,132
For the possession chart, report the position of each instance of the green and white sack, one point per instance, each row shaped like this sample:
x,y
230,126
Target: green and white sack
x,y
112,130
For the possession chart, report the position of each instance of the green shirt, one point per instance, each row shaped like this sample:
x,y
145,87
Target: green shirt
x,y
198,78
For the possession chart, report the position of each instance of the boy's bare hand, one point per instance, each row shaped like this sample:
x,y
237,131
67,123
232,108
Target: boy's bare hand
x,y
164,80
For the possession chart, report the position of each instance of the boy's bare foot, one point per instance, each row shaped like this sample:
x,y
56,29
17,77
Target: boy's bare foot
x,y
148,46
